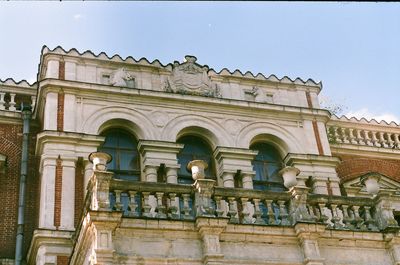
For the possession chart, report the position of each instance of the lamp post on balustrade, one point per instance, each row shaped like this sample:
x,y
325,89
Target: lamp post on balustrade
x,y
204,188
100,181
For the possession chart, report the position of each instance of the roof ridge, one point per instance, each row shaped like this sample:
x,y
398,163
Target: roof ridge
x,y
372,121
157,63
11,81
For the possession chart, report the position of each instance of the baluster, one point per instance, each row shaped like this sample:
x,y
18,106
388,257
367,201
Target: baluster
x,y
335,217
160,206
346,218
257,212
33,102
396,140
186,208
11,105
218,209
374,140
323,218
283,213
369,221
245,211
358,221
312,213
382,140
344,136
389,139
360,139
132,204
352,137
118,204
2,101
233,212
367,138
146,204
336,135
173,209
270,214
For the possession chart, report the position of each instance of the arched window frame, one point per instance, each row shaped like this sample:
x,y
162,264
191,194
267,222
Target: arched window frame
x,y
121,152
266,165
186,155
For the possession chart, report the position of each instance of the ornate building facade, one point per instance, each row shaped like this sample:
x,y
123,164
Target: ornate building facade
x,y
123,161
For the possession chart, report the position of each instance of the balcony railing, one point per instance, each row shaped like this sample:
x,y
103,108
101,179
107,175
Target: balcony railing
x,y
242,206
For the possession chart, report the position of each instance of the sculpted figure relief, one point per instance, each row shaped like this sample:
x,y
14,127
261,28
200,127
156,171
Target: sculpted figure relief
x,y
120,77
190,78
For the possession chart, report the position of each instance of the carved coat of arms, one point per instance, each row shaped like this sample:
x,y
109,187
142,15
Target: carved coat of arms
x,y
191,78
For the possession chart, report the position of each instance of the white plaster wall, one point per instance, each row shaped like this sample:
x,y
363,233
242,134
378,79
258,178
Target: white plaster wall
x,y
50,112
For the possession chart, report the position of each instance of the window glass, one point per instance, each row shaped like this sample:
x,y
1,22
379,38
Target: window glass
x,y
267,164
194,148
122,146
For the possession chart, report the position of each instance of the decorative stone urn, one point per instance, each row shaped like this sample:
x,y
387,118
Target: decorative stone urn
x,y
197,168
289,175
100,160
371,183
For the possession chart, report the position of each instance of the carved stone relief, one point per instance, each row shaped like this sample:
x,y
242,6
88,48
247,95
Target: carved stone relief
x,y
122,78
191,78
261,96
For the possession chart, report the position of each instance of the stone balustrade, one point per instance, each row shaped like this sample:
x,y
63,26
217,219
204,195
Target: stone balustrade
x,y
367,137
152,200
12,101
352,213
243,206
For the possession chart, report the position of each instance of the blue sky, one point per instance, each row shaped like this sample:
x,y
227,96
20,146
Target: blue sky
x,y
354,48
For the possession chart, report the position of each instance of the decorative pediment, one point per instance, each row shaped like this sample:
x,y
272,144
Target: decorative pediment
x,y
356,186
191,78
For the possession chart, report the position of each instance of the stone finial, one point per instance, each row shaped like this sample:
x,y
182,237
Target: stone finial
x,y
371,183
289,175
100,160
197,168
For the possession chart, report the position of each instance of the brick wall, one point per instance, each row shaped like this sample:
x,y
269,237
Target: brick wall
x,y
79,190
10,146
353,166
62,260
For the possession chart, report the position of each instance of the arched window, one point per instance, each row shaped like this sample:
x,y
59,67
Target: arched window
x,y
122,146
194,148
267,164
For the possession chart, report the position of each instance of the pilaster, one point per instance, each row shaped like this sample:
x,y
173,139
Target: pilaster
x,y
210,230
308,235
68,193
47,191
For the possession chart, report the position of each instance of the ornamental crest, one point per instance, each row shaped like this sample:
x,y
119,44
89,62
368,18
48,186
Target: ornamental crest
x,y
191,78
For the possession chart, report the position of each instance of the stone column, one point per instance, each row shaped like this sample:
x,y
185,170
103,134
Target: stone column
x,y
210,230
230,161
88,174
321,169
68,193
47,191
155,153
308,235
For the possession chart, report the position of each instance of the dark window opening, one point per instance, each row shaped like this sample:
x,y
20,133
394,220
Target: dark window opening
x,y
267,164
122,146
194,148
